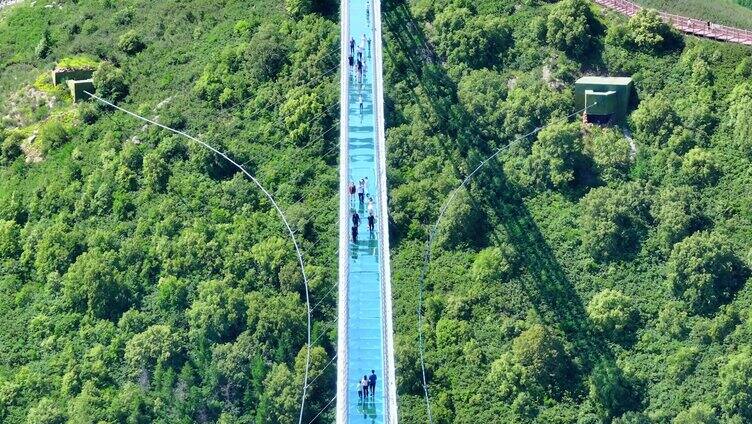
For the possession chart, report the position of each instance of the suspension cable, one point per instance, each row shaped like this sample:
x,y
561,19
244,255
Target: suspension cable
x,y
276,207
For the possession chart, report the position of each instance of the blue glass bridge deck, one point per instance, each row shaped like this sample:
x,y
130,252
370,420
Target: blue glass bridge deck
x,y
365,316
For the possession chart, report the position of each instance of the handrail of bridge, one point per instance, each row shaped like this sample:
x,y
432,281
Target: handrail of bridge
x,y
344,215
390,385
685,24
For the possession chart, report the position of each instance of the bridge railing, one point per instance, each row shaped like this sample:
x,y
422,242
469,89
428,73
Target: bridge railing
x,y
343,380
390,384
685,24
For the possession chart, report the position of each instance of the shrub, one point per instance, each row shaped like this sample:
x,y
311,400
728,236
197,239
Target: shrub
x,y
130,42
52,135
109,82
10,147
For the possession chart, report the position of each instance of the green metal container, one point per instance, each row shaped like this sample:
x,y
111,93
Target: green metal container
x,y
605,96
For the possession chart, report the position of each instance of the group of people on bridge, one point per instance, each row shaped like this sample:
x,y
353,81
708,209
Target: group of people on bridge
x,y
356,59
367,386
362,191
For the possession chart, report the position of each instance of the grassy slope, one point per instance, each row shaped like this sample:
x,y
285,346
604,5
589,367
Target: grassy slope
x,y
725,12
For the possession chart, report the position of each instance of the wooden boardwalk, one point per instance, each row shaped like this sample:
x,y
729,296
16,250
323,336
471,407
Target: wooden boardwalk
x,y
687,25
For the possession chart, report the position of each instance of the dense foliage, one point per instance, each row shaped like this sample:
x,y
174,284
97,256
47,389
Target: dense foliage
x,y
584,275
142,279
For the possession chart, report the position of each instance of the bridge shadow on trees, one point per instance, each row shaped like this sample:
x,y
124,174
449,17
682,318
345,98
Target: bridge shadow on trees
x,y
551,292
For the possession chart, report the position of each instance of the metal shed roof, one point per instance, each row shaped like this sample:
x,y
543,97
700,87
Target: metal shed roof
x,y
605,80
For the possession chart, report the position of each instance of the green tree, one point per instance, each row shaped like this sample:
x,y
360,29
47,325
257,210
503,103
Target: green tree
x,y
610,152
217,313
44,45
53,135
158,345
703,271
156,171
482,92
298,8
470,41
10,239
612,313
677,213
461,224
649,32
555,155
95,284
303,114
610,391
493,265
613,220
654,121
699,413
10,147
267,53
571,27
56,249
282,396
277,322
740,115
699,167
46,411
736,385
541,354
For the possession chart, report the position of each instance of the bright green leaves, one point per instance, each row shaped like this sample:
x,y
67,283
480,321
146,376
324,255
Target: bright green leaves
x,y
218,314
704,271
612,313
571,27
158,345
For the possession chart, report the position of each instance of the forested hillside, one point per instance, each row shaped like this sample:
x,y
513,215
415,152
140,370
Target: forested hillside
x,y
143,279
578,278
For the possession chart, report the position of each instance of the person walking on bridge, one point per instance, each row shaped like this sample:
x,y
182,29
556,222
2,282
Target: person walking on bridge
x,y
372,383
356,219
352,46
362,191
364,383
